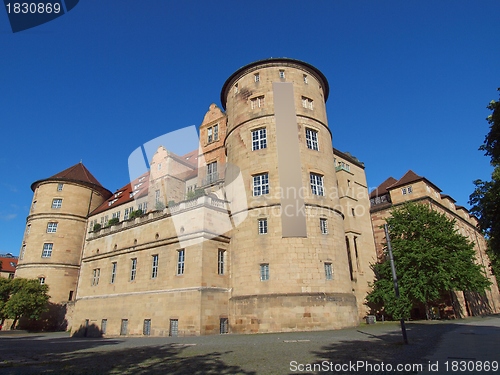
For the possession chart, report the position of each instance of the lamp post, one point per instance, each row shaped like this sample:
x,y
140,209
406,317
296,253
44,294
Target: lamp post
x,y
395,279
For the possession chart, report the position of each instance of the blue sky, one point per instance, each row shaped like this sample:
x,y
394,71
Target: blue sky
x,y
409,84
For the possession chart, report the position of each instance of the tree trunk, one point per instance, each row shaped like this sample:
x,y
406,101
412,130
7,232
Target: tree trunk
x,y
427,313
13,326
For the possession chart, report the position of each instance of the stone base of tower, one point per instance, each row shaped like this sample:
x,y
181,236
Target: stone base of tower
x,y
292,312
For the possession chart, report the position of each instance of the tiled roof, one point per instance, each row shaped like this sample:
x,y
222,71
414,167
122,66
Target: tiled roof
x,y
8,264
76,173
411,177
382,188
130,192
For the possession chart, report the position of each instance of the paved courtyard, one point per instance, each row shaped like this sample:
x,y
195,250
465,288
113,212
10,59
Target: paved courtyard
x,y
375,349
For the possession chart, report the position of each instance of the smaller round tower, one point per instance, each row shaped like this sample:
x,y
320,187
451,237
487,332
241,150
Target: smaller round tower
x,y
55,229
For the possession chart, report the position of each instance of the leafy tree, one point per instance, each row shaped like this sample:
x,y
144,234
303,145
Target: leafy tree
x,y
28,298
431,258
485,200
4,297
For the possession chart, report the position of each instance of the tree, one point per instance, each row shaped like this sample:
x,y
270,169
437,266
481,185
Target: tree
x,y
485,200
4,297
431,259
28,299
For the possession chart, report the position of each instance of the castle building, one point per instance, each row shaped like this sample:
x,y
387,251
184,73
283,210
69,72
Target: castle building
x,y
263,227
412,187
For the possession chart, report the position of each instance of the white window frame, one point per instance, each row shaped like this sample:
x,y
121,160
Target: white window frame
x,y
257,102
328,271
41,280
262,226
260,184
181,259
114,266
52,227
133,269
264,272
221,254
312,139
57,203
96,273
209,135
282,74
154,266
60,187
259,139
323,224
47,250
216,132
317,186
256,77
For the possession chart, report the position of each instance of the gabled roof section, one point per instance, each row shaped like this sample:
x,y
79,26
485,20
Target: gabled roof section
x,y
411,177
382,188
9,264
136,189
77,173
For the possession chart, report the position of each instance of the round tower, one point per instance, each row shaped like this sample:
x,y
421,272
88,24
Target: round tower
x,y
56,229
289,266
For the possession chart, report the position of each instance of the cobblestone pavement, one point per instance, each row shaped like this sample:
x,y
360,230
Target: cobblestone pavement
x,y
367,349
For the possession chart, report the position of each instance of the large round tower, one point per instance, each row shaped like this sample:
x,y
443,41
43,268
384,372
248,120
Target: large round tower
x,y
56,228
289,266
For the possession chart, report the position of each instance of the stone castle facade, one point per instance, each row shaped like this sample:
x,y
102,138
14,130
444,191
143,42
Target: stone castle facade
x,y
264,228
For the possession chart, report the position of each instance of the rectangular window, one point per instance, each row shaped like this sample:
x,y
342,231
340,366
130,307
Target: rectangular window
x,y
220,261
125,217
256,77
403,191
236,88
180,261
264,272
262,226
224,326
146,329
212,172
316,184
51,227
410,189
124,327
174,328
113,272
259,139
41,280
282,74
323,224
157,196
47,250
307,102
312,139
104,324
28,229
33,206
260,184
23,250
305,78
60,187
216,132
257,102
328,271
133,269
57,203
154,270
96,273
210,137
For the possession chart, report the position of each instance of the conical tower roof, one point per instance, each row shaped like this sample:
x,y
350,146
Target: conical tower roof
x,y
77,173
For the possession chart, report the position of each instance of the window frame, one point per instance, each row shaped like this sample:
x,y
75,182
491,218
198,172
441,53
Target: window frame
x,y
260,184
48,247
328,271
264,272
221,257
154,266
316,182
181,262
133,269
259,139
312,141
262,226
56,203
114,266
323,224
52,227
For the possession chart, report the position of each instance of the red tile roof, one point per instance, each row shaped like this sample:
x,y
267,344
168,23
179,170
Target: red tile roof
x,y
130,192
9,264
76,173
382,188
